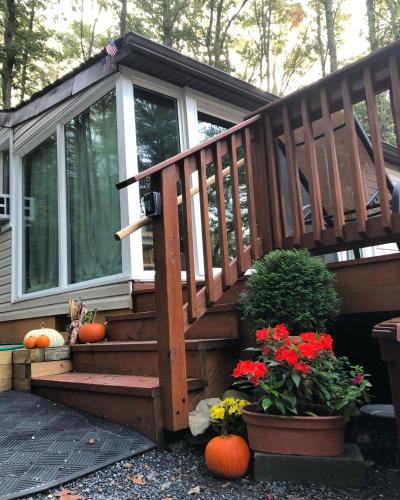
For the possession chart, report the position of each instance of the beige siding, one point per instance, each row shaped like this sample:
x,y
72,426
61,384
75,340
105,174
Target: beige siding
x,y
5,268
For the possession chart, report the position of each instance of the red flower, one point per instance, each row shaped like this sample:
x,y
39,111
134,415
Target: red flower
x,y
326,341
308,336
255,369
301,367
280,332
265,349
357,379
286,354
309,350
261,335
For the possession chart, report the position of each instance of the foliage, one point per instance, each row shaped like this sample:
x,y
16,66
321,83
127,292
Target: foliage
x,y
231,410
274,44
293,287
301,375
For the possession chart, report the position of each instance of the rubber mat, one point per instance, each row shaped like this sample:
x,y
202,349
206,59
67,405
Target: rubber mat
x,y
44,444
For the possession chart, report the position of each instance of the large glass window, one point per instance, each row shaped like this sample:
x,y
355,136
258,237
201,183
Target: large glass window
x,y
157,138
92,201
41,217
5,171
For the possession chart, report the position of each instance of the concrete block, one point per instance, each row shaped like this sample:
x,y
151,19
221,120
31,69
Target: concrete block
x,y
344,471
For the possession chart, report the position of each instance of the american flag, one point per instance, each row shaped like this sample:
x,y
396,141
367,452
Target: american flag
x,y
111,48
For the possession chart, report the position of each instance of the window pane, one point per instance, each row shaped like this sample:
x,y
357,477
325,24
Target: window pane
x,y
208,126
41,217
93,200
157,138
6,172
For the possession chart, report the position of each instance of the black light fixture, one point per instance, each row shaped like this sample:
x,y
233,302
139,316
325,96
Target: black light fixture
x,y
152,204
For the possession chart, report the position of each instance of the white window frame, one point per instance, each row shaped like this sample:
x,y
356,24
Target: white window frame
x,y
5,145
189,103
56,125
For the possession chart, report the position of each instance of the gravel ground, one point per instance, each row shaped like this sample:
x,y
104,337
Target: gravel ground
x,y
180,473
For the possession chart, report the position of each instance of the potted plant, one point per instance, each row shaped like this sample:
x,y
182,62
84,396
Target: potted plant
x,y
304,393
291,287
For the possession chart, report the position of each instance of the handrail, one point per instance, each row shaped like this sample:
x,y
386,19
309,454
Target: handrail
x,y
145,221
187,153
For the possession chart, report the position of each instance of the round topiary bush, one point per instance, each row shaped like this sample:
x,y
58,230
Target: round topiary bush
x,y
290,287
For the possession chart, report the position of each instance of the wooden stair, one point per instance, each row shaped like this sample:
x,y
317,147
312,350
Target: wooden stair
x,y
118,380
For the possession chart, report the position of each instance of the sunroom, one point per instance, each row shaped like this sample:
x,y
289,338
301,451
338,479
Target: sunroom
x,y
62,154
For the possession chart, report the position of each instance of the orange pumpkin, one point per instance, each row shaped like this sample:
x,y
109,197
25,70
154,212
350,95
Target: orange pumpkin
x,y
42,341
92,332
227,456
29,342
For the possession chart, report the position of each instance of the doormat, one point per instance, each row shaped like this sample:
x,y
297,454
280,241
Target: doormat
x,y
44,444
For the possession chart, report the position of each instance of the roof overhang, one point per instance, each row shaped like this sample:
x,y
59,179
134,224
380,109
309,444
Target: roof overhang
x,y
146,56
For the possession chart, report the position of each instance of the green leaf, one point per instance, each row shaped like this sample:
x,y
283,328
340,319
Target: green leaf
x,y
266,403
296,379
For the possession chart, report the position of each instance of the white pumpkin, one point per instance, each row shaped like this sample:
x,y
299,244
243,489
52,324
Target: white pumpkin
x,y
55,338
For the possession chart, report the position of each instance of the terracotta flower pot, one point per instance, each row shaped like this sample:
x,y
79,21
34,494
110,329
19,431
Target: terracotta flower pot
x,y
313,436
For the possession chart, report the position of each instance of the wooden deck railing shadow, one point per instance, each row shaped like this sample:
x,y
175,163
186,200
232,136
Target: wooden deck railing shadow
x,y
273,220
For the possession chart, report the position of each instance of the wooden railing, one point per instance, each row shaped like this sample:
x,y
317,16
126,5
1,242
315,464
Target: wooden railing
x,y
285,138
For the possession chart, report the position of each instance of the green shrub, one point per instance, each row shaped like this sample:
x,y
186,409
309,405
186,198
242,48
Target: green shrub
x,y
290,287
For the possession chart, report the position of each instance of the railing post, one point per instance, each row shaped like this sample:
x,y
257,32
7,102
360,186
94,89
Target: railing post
x,y
261,192
169,308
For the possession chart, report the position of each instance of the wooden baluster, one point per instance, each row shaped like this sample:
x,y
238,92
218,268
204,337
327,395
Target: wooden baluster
x,y
395,97
311,157
358,187
377,149
237,214
222,229
275,192
188,239
168,290
254,245
333,168
205,229
296,204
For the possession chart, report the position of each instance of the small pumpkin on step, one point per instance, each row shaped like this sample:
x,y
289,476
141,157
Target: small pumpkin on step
x,y
92,332
43,337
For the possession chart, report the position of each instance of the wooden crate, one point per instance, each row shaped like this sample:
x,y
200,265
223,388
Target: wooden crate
x,y
32,363
5,371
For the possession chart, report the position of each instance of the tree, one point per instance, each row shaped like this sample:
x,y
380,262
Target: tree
x,y
9,51
27,60
273,55
383,18
370,4
331,34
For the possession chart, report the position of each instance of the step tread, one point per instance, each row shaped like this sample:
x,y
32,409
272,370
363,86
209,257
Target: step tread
x,y
151,345
108,382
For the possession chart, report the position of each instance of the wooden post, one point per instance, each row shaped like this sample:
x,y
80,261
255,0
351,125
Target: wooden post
x,y
169,310
261,191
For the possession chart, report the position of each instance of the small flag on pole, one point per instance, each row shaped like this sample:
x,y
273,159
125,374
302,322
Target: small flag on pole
x,y
111,48
108,62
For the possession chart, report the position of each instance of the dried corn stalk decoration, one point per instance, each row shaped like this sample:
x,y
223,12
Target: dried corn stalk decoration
x,y
79,315
77,312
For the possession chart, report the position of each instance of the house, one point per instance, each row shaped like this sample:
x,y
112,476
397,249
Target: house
x,y
239,172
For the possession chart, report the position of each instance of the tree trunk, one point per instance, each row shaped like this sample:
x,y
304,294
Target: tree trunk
x,y
370,4
320,43
122,18
26,55
330,31
7,70
166,24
